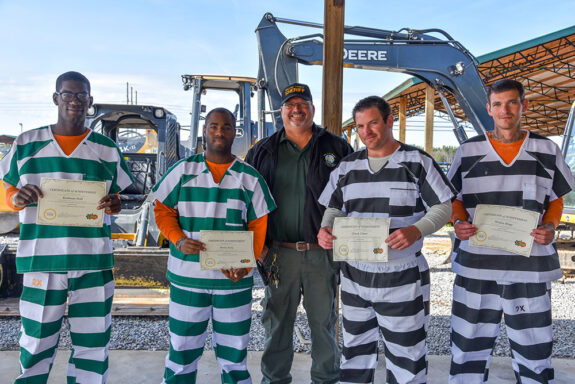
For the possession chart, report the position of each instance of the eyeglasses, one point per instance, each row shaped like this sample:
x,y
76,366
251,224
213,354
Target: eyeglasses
x,y
293,105
69,96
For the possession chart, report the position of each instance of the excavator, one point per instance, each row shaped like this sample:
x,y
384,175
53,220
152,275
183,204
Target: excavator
x,y
149,139
8,218
431,55
566,247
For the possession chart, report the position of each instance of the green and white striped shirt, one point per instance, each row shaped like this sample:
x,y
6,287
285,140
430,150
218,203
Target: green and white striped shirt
x,y
189,187
36,154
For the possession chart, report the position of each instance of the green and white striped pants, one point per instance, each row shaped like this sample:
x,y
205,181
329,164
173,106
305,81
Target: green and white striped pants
x,y
42,307
190,311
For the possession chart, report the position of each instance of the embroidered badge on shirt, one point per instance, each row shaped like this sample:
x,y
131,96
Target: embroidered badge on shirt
x,y
329,159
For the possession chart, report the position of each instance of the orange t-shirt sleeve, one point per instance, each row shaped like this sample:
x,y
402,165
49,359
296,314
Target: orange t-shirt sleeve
x,y
553,212
259,228
458,211
10,192
167,221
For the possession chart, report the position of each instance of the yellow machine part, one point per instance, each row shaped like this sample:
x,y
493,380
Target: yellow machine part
x,y
568,218
3,206
151,144
8,217
124,236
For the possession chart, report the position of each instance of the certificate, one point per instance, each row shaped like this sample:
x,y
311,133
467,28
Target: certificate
x,y
505,228
360,239
71,203
227,249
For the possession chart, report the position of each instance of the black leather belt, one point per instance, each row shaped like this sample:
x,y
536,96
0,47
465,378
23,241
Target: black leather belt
x,y
300,246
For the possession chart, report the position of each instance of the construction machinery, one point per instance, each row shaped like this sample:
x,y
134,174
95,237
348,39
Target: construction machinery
x,y
568,150
241,90
149,138
441,62
151,141
566,247
10,282
8,218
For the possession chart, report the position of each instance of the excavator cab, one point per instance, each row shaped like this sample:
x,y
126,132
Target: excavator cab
x,y
568,149
149,139
232,92
566,247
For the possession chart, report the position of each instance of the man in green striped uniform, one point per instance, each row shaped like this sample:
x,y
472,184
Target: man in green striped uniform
x,y
210,191
62,263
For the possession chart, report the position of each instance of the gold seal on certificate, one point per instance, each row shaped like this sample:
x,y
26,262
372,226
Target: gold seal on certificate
x,y
504,228
360,239
70,203
227,249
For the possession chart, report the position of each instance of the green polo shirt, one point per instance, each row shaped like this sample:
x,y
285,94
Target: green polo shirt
x,y
289,191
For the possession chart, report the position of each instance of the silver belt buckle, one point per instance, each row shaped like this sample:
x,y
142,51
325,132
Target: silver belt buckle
x,y
302,243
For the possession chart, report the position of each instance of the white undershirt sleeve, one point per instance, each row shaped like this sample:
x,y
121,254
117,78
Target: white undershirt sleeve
x,y
329,216
437,216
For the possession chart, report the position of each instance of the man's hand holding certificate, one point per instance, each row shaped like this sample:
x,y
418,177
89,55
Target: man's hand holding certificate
x,y
71,202
505,228
227,249
360,239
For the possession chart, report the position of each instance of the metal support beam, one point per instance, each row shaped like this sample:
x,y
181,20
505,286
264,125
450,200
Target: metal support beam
x,y
429,109
332,90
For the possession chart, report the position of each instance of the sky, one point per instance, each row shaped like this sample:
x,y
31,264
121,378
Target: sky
x,y
151,43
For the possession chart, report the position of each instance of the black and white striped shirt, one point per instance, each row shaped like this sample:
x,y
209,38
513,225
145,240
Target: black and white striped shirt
x,y
402,190
536,176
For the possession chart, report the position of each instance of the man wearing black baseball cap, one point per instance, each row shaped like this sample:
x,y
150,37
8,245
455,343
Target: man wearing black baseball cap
x,y
296,90
296,162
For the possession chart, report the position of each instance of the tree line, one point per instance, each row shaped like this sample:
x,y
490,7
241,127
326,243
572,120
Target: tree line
x,y
443,154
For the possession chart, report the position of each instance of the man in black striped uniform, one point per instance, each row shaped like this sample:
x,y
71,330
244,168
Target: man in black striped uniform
x,y
394,180
515,168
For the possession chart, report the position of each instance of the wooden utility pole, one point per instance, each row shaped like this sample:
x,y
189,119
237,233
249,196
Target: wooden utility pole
x,y
402,118
429,110
332,90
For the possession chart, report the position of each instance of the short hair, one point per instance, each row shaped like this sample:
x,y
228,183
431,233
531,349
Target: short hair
x,y
72,76
224,111
506,85
370,102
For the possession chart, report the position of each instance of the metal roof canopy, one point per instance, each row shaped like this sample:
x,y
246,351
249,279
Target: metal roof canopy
x,y
544,65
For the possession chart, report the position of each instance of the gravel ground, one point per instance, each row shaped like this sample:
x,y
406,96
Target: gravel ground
x,y
151,333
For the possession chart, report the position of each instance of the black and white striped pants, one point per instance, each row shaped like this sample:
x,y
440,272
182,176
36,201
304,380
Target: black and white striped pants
x,y
475,318
390,299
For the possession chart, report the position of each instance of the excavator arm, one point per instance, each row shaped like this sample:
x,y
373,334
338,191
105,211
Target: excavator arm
x,y
442,63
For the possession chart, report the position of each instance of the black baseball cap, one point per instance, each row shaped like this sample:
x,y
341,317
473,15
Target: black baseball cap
x,y
296,90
